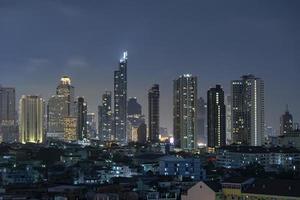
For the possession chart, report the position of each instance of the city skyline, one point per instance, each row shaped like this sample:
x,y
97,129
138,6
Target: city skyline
x,y
260,46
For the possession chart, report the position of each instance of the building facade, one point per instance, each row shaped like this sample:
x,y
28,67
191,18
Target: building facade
x,y
153,113
184,111
31,119
286,123
66,89
105,116
57,110
8,125
120,101
248,111
216,118
81,119
201,121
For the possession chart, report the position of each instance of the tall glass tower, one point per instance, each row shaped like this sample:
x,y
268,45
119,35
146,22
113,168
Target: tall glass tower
x,y
120,101
216,118
247,107
66,89
184,111
153,113
105,118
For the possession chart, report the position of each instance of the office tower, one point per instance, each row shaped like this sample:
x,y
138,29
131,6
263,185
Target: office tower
x,y
57,110
31,119
201,121
91,125
286,122
7,106
228,120
142,133
153,113
134,119
184,111
70,129
105,118
216,118
134,108
120,101
81,119
8,125
66,89
248,111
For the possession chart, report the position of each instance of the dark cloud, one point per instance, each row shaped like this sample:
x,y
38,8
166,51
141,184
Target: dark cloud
x,y
216,40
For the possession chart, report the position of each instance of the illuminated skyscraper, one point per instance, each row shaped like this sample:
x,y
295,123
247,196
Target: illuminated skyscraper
x,y
184,111
248,111
66,89
153,113
120,101
286,122
70,129
81,119
216,118
57,110
91,126
31,119
105,118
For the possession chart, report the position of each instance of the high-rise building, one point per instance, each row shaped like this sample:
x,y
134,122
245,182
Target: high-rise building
x,y
120,101
153,113
216,118
286,122
184,111
201,118
7,106
228,120
70,129
66,89
31,119
142,133
57,110
134,119
134,108
248,111
91,126
105,118
8,125
81,119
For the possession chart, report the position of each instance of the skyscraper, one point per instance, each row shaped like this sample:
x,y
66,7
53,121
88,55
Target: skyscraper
x,y
70,129
91,126
120,101
201,118
134,119
216,118
81,119
57,110
7,106
228,119
31,119
184,111
8,125
286,122
66,89
142,133
105,118
248,111
134,108
153,113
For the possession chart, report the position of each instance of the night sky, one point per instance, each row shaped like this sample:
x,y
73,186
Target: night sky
x,y
216,40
